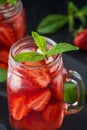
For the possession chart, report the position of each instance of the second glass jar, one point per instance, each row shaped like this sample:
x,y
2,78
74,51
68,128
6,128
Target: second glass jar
x,y
12,28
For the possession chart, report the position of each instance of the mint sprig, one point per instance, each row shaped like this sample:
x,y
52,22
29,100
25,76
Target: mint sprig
x,y
40,42
8,1
54,22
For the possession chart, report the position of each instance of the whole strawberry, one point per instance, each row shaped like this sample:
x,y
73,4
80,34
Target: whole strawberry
x,y
81,40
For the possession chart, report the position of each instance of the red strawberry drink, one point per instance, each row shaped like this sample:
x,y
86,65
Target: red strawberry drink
x,y
35,90
35,85
12,28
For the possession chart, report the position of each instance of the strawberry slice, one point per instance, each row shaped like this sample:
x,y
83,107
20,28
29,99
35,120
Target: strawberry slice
x,y
39,73
7,36
19,125
18,107
52,113
39,100
35,122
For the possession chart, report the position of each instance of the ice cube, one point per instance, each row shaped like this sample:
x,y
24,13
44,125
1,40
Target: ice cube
x,y
15,83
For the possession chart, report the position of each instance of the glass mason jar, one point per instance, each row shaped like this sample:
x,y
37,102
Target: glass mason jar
x,y
12,28
36,89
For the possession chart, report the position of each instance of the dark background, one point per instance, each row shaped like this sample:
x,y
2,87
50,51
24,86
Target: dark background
x,y
35,11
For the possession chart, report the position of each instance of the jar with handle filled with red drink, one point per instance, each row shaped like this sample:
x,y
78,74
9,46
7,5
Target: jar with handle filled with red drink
x,y
12,28
36,89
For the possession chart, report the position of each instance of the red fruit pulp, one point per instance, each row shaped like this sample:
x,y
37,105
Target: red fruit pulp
x,y
11,29
33,105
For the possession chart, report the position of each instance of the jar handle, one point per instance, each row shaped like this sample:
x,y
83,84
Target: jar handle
x,y
75,78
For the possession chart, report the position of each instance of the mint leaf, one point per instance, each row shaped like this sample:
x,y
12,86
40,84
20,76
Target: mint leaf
x,y
81,15
74,12
83,11
8,1
3,74
28,56
2,1
40,41
70,93
12,1
52,23
60,48
82,19
72,9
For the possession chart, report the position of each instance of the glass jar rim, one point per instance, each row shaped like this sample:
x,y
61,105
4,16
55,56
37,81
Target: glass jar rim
x,y
20,43
5,8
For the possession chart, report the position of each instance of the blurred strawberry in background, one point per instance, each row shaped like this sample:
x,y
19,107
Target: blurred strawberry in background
x,y
80,39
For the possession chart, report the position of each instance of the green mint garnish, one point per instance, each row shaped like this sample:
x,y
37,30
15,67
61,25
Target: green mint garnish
x,y
61,48
40,42
3,74
8,1
29,56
